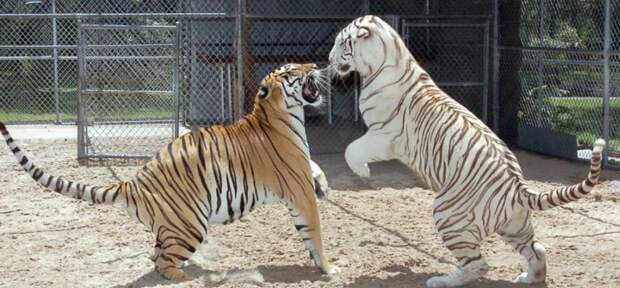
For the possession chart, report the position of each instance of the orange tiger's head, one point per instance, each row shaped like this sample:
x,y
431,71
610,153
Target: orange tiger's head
x,y
291,86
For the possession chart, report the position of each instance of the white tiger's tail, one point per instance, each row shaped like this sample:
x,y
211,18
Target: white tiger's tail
x,y
95,194
566,194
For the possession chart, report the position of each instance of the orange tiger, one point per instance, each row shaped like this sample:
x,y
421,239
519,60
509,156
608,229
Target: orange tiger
x,y
221,173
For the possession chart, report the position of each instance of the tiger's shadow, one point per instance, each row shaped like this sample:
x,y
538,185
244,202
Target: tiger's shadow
x,y
263,274
153,278
403,277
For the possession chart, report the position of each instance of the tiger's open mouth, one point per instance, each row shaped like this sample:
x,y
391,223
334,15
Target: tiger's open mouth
x,y
310,90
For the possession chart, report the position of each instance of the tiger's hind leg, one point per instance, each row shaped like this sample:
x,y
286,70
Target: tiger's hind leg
x,y
156,250
307,223
462,238
471,264
174,250
518,232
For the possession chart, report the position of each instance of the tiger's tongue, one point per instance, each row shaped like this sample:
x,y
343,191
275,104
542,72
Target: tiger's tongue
x,y
308,91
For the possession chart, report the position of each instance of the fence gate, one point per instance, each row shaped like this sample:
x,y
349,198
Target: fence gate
x,y
456,55
128,89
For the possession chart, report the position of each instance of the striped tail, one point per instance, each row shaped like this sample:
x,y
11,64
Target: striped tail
x,y
95,194
563,195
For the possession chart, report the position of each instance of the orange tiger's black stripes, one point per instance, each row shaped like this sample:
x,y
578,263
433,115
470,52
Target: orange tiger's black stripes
x,y
219,174
479,184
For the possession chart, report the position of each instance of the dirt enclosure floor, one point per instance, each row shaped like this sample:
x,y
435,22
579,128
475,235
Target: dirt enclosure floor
x,y
379,232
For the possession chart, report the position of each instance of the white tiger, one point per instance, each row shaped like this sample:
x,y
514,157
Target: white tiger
x,y
479,186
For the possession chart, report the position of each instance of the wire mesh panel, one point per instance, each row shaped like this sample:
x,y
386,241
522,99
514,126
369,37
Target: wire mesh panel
x,y
562,92
127,89
278,41
456,57
35,75
559,24
209,71
565,75
273,34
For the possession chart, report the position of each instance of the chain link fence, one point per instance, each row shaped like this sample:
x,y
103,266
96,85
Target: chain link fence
x,y
456,56
225,48
106,65
286,34
38,49
566,60
127,88
543,72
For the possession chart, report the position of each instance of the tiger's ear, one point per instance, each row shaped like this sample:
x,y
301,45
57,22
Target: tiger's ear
x,y
263,91
363,33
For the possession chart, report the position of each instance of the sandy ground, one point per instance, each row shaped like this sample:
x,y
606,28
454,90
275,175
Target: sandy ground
x,y
380,233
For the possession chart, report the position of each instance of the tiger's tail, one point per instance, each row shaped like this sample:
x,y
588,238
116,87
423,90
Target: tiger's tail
x,y
559,196
94,194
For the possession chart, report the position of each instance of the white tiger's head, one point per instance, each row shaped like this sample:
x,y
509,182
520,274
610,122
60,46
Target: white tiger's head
x,y
362,46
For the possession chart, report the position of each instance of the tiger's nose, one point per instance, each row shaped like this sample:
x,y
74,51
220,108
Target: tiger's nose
x,y
308,67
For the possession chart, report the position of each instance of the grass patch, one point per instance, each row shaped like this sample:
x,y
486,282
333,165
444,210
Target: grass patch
x,y
586,103
583,117
16,117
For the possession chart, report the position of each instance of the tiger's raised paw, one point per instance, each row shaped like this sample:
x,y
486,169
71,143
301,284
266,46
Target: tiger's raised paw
x,y
356,160
361,170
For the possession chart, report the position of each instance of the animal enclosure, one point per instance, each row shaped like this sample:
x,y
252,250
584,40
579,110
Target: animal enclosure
x,y
82,81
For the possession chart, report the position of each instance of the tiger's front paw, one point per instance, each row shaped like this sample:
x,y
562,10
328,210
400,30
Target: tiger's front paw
x,y
354,156
361,170
321,187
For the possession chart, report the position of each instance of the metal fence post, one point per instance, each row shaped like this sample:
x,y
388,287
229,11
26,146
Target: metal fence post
x,y
606,48
496,52
55,59
485,74
81,122
539,75
229,90
237,100
176,78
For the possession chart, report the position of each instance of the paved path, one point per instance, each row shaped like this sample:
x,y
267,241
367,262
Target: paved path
x,y
49,131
